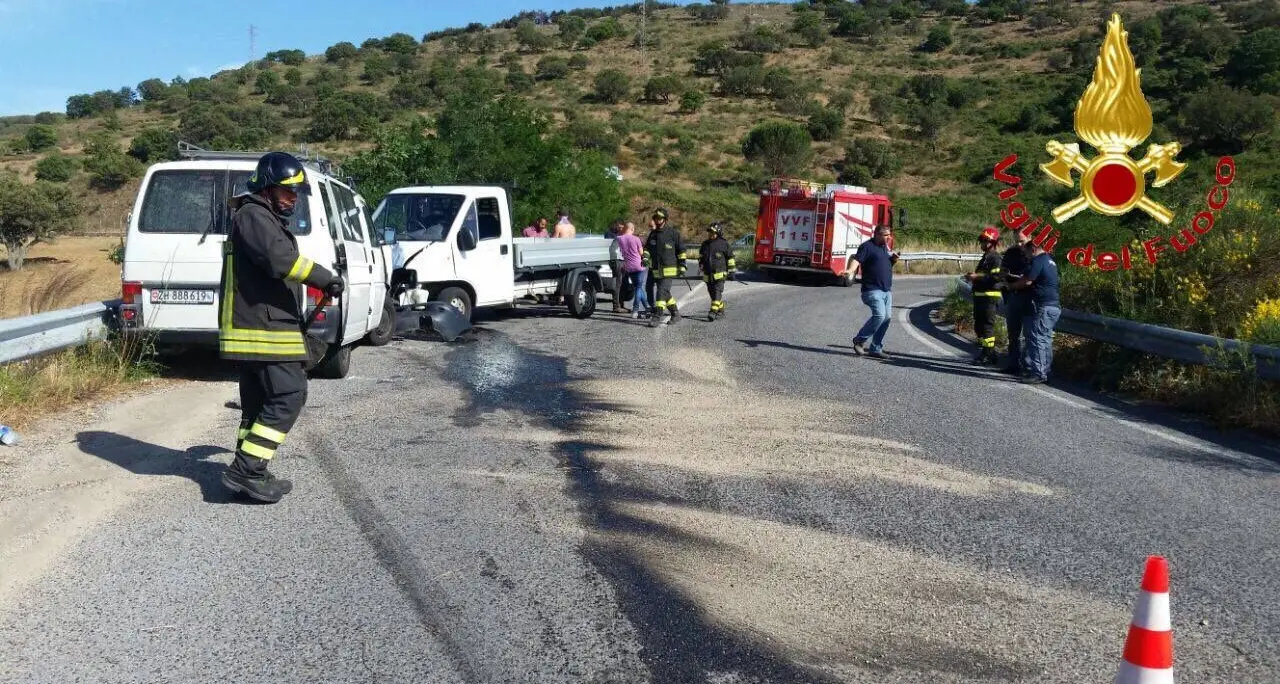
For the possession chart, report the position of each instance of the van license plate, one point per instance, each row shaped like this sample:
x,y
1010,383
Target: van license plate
x,y
182,296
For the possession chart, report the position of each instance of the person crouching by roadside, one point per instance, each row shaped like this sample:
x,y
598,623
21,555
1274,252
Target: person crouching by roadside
x,y
1042,282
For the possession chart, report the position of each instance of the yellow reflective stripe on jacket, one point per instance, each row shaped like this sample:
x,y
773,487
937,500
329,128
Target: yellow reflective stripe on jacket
x,y
257,451
986,294
263,348
719,276
267,433
668,271
242,433
272,336
301,269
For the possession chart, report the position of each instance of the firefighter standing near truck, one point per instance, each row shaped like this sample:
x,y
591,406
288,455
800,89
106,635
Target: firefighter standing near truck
x,y
715,260
664,252
260,321
986,282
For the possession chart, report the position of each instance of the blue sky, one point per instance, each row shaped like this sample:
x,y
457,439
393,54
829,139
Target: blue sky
x,y
52,49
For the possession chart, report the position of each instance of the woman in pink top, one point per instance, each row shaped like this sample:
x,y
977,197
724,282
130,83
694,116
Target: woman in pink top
x,y
630,247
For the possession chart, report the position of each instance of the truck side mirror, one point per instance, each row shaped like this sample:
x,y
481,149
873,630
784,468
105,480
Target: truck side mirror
x,y
389,236
467,239
902,218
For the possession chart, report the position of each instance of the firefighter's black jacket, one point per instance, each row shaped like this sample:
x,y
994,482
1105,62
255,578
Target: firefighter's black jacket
x,y
715,259
988,281
1014,264
664,251
258,315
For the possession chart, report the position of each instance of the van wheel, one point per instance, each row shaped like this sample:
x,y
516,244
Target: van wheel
x,y
458,299
335,365
583,304
386,325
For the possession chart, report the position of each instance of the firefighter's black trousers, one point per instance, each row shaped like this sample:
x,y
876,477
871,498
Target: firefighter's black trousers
x,y
271,399
715,290
984,322
662,300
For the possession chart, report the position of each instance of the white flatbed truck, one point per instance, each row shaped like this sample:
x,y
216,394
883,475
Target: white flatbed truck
x,y
456,245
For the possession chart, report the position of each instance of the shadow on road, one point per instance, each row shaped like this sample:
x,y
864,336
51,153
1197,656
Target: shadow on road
x,y
916,361
144,458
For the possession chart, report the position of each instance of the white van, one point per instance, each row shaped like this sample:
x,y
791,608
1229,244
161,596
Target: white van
x,y
173,256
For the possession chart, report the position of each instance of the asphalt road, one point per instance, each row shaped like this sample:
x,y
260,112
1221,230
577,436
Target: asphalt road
x,y
556,500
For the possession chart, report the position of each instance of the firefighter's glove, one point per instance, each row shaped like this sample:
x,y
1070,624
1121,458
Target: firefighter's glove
x,y
335,287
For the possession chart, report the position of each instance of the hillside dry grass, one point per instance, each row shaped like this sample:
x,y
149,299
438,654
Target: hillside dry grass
x,y
69,272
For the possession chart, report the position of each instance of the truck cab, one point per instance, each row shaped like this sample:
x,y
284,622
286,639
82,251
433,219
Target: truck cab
x,y
458,242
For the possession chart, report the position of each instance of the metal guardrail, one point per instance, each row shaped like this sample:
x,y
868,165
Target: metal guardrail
x,y
1179,345
29,336
938,256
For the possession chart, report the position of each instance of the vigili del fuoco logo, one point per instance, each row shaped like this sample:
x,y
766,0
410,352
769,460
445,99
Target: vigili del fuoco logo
x,y
1113,117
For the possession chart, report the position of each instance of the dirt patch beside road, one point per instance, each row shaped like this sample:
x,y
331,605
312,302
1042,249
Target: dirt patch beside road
x,y
69,272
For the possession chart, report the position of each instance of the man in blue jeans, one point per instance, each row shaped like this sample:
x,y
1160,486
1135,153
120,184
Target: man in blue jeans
x,y
877,286
1042,279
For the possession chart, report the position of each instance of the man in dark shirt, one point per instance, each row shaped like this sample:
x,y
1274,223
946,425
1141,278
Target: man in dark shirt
x,y
876,263
1017,303
1042,282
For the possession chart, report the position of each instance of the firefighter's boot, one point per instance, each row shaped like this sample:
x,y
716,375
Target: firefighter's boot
x,y
675,313
711,315
249,475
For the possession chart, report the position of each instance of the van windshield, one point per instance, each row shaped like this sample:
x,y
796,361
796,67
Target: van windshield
x,y
418,217
195,202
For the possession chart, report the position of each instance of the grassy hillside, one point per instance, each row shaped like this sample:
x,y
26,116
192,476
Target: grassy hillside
x,y
915,99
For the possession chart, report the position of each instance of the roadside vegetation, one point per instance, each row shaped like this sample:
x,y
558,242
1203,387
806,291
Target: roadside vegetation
x,y
696,106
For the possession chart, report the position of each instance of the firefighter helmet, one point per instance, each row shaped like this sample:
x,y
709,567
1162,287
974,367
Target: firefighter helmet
x,y
278,168
660,213
990,234
716,228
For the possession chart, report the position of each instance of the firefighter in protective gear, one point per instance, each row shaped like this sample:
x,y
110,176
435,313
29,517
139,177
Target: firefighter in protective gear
x,y
986,282
715,260
664,252
260,320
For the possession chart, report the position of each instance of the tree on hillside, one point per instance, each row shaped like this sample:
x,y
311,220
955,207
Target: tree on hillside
x,y
571,29
612,86
49,118
1222,120
289,57
108,166
153,90
579,62
341,52
661,88
56,168
153,145
530,38
400,43
718,10
32,213
761,39
808,26
826,124
1255,62
603,30
267,82
551,68
691,101
867,159
504,141
939,38
781,147
377,67
41,137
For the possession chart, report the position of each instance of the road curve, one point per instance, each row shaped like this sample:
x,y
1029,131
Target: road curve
x,y
558,500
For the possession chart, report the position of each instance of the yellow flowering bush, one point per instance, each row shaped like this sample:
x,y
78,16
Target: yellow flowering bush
x,y
1262,325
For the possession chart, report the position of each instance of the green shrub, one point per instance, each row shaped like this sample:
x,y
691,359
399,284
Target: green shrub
x,y
612,86
826,124
691,101
56,168
781,147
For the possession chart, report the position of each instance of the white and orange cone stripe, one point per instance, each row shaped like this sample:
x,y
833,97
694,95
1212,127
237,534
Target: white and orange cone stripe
x,y
1148,651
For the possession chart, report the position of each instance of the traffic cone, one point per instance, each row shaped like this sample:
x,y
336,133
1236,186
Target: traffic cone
x,y
1148,651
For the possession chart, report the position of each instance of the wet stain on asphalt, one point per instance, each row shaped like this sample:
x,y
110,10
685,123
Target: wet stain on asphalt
x,y
680,644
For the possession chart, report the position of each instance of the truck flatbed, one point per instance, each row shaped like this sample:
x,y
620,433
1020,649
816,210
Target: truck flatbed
x,y
540,254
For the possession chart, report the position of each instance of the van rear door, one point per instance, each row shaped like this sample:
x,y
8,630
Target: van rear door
x,y
164,252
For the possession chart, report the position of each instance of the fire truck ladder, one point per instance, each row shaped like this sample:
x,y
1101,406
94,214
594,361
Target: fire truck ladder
x,y
821,218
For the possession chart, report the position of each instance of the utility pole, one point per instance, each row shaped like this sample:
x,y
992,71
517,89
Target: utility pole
x,y
253,42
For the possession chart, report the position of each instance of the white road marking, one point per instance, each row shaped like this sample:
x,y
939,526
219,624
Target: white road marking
x,y
904,317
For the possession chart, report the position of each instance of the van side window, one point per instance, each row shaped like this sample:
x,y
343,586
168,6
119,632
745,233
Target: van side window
x,y
490,219
330,212
346,201
471,220
299,223
181,202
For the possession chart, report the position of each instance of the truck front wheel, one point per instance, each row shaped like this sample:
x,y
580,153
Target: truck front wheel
x,y
458,299
583,303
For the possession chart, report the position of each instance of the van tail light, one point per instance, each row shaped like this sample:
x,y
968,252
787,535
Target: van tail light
x,y
130,293
314,296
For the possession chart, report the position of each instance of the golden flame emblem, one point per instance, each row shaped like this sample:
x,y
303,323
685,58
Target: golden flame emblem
x,y
1113,116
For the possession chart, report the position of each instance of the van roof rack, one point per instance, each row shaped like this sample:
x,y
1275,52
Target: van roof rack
x,y
322,164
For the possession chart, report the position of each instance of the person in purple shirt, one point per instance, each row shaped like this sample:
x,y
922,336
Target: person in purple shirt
x,y
630,248
537,230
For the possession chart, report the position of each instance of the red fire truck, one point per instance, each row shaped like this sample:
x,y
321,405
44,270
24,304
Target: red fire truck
x,y
807,228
